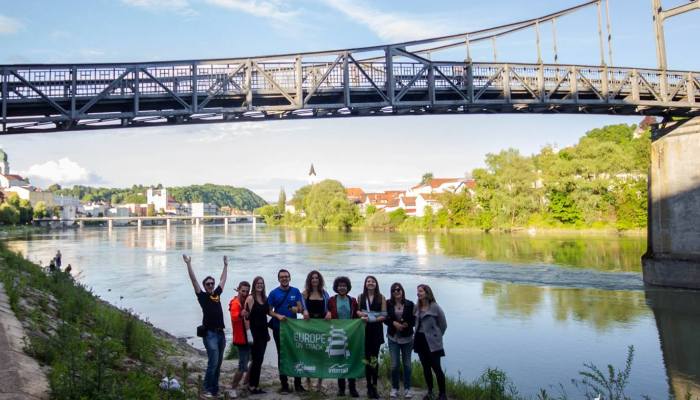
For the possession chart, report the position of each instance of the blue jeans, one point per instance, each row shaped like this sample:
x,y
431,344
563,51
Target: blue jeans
x,y
400,353
215,343
243,357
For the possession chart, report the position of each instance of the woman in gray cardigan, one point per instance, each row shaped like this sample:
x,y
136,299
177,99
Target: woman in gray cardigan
x,y
430,327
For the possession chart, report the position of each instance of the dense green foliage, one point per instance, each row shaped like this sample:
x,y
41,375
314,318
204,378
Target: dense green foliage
x,y
601,182
221,195
94,350
14,211
324,204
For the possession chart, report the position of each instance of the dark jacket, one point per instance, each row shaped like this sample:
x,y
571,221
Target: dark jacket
x,y
407,316
333,307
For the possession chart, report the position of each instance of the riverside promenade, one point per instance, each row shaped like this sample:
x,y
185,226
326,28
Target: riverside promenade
x,y
21,378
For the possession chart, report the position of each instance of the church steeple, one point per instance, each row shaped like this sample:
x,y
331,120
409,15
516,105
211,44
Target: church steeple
x,y
312,175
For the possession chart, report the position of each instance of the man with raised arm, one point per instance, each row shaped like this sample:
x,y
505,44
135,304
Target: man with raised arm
x,y
212,324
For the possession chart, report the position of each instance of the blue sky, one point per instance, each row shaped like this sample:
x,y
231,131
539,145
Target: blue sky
x,y
369,152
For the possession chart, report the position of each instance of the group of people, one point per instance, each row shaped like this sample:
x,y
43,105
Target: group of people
x,y
411,327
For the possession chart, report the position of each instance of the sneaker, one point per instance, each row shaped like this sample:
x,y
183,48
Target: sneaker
x,y
299,389
394,393
428,396
341,393
353,393
408,394
442,396
233,394
208,395
285,390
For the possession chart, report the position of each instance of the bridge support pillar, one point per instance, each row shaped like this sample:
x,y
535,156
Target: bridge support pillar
x,y
255,221
673,249
139,223
225,223
167,223
197,221
110,224
81,224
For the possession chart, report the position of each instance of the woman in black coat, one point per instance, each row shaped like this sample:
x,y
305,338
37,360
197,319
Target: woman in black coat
x,y
400,321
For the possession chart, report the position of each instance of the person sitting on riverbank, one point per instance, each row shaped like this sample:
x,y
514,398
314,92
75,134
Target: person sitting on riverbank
x,y
342,306
212,327
257,310
373,312
285,302
430,328
240,339
400,321
315,303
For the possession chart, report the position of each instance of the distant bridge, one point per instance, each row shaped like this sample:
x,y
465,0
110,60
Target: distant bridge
x,y
395,79
195,220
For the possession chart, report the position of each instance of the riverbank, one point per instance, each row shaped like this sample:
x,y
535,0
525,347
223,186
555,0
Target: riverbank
x,y
93,349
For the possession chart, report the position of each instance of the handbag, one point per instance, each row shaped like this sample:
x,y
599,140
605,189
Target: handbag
x,y
201,331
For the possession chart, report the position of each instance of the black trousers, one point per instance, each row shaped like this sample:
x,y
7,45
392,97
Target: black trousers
x,y
431,363
283,378
341,385
257,356
372,363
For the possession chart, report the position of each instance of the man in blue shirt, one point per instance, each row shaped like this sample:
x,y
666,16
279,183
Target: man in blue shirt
x,y
285,302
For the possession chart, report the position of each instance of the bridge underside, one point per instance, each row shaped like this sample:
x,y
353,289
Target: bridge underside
x,y
41,98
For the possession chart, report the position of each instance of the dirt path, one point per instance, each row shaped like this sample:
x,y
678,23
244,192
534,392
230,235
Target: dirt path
x,y
21,378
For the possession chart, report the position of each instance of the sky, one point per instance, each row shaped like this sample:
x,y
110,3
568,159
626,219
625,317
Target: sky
x,y
374,153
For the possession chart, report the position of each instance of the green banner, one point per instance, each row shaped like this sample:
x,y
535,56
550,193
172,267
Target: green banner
x,y
322,349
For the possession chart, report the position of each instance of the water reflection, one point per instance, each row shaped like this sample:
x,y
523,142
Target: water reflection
x,y
606,253
602,309
677,315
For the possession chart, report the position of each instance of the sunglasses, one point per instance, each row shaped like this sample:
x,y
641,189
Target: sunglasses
x,y
210,283
396,289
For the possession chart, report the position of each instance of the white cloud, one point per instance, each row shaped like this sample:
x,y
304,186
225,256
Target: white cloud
x,y
389,26
226,132
9,25
272,9
63,171
178,6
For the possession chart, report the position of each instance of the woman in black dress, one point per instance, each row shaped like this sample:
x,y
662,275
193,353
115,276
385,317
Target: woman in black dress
x,y
315,299
257,310
373,312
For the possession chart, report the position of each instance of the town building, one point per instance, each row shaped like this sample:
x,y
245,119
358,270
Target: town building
x,y
7,179
34,195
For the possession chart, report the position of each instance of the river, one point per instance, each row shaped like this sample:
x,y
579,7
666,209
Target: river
x,y
537,307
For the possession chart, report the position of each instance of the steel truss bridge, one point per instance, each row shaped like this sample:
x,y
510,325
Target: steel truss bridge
x,y
396,79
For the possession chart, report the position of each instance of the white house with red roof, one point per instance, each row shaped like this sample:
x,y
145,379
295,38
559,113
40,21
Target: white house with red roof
x,y
424,200
442,185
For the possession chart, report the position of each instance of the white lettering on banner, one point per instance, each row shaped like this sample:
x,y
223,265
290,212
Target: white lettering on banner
x,y
338,369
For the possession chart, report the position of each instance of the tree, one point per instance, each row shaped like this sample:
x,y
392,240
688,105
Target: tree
x,y
26,211
54,187
281,201
299,198
370,210
269,213
427,177
136,198
327,203
40,210
9,215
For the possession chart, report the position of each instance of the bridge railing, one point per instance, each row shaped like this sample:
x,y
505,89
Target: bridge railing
x,y
40,94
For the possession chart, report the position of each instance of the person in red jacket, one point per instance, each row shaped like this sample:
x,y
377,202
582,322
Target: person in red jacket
x,y
240,339
342,306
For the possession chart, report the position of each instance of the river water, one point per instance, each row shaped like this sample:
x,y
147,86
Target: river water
x,y
537,307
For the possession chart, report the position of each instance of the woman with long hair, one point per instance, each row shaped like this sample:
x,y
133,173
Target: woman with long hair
x,y
373,312
343,306
400,321
257,311
315,302
430,328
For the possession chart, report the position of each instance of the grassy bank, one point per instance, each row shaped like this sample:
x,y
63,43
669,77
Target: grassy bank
x,y
7,231
93,350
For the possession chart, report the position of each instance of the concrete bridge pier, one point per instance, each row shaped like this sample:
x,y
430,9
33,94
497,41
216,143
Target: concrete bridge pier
x,y
226,223
673,249
255,222
110,224
138,224
167,224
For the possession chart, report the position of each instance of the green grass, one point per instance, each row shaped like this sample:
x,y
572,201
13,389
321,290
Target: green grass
x,y
95,350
